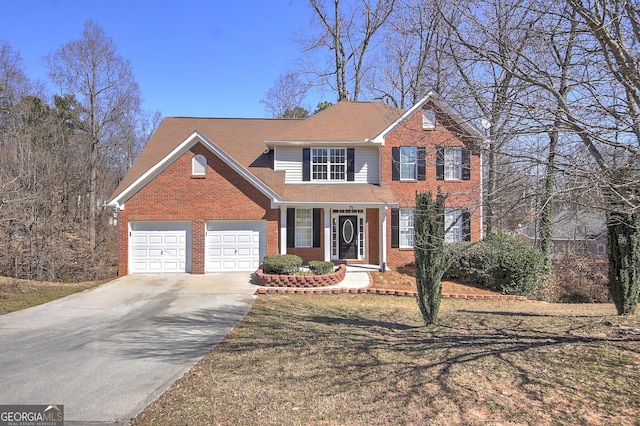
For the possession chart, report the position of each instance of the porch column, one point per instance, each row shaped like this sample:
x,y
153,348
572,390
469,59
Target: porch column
x,y
327,234
283,229
383,239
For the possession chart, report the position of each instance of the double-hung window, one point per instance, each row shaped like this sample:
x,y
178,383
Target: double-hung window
x,y
453,163
408,162
405,228
304,228
328,164
453,225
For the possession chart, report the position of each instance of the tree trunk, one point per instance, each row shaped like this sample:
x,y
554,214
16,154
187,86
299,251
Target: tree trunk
x,y
547,215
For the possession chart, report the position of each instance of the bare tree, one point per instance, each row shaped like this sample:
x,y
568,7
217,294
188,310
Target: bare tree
x,y
286,96
90,69
414,59
582,73
347,33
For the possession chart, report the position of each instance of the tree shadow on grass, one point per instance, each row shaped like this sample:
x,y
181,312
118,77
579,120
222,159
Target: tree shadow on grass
x,y
467,353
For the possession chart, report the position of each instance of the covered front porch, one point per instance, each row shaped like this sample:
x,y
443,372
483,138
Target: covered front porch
x,y
352,234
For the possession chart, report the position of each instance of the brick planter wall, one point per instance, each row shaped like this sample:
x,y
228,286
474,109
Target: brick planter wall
x,y
301,281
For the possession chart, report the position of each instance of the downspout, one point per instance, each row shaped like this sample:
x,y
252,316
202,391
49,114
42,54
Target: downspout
x,y
481,196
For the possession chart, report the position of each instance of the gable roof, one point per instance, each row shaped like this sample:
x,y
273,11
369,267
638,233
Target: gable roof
x,y
437,101
241,143
343,122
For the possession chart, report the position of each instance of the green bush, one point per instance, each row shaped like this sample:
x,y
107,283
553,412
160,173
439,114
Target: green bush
x,y
500,262
319,267
281,264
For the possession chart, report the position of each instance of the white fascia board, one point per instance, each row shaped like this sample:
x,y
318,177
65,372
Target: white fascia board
x,y
194,138
380,138
433,97
318,143
332,204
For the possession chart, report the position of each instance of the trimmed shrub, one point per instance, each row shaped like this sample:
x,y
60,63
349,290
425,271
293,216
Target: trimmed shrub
x,y
319,267
500,262
281,264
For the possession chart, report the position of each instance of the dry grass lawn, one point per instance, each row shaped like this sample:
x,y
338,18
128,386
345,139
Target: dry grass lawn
x,y
366,360
21,294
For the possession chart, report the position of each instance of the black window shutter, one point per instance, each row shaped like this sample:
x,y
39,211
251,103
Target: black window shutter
x,y
351,157
317,217
466,164
440,163
306,164
291,227
395,163
466,225
422,163
395,228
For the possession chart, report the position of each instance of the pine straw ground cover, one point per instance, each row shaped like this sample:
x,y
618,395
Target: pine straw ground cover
x,y
366,360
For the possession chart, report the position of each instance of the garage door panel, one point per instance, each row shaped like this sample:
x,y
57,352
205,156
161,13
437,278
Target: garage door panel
x,y
235,245
159,246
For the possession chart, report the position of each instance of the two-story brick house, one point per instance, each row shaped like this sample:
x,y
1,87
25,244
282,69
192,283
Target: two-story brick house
x,y
217,194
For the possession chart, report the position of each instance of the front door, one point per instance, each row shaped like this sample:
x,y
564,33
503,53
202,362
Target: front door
x,y
348,237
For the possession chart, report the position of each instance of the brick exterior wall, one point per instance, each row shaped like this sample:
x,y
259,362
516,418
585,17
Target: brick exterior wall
x,y
175,195
462,193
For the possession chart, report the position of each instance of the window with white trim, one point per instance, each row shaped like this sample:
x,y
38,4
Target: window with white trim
x,y
408,162
329,164
428,119
452,163
199,165
304,227
405,228
453,225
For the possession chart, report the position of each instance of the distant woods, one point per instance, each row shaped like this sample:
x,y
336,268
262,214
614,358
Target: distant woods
x,y
61,156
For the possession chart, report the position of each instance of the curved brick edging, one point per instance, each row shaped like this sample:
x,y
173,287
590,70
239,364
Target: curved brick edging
x,y
386,292
301,281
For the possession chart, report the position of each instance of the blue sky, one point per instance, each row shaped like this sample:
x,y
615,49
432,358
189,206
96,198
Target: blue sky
x,y
212,58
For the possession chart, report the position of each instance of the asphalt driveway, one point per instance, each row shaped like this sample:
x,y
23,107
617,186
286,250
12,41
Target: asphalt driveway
x,y
106,353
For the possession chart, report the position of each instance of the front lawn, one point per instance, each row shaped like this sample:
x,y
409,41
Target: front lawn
x,y
21,294
365,359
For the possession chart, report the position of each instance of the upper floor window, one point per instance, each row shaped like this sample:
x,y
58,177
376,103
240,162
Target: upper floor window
x,y
428,119
408,162
453,163
199,165
328,164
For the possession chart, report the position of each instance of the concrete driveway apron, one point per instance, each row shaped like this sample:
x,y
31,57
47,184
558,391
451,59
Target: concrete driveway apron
x,y
106,353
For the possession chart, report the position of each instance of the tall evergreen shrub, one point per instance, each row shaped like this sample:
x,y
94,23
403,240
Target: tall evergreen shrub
x,y
623,238
429,256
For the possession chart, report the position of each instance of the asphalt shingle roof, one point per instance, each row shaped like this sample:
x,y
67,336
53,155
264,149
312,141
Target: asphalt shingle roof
x,y
243,140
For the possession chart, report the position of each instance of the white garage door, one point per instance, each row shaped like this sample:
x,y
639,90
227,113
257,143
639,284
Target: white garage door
x,y
235,245
159,247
